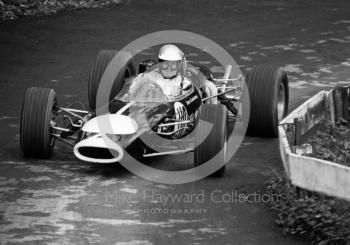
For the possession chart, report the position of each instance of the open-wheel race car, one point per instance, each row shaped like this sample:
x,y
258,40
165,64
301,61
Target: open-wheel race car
x,y
138,107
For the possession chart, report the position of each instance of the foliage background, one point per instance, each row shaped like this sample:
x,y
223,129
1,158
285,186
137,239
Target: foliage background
x,y
332,143
323,219
13,9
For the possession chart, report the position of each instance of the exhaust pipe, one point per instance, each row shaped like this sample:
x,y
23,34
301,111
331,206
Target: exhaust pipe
x,y
94,149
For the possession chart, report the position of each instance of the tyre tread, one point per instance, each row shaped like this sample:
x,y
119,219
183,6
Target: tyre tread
x,y
263,82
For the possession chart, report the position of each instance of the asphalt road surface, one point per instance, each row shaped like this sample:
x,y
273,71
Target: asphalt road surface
x,y
66,201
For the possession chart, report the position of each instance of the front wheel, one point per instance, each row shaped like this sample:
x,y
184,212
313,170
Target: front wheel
x,y
269,96
37,116
97,70
213,118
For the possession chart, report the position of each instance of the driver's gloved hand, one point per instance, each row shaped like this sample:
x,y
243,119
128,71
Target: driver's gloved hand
x,y
228,103
186,85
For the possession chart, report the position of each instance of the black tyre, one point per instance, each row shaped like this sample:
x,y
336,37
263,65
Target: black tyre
x,y
103,58
38,113
215,116
269,96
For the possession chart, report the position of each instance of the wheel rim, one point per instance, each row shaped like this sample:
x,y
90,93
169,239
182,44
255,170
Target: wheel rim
x,y
52,131
281,102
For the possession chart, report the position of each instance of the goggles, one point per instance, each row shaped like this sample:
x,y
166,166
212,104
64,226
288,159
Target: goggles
x,y
173,65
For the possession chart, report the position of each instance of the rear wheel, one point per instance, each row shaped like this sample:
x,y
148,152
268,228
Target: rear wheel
x,y
212,117
37,116
269,96
97,70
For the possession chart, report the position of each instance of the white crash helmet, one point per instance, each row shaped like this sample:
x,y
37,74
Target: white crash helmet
x,y
171,56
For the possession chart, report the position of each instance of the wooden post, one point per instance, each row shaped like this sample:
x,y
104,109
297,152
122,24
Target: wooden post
x,y
296,133
332,107
297,136
338,101
297,142
345,103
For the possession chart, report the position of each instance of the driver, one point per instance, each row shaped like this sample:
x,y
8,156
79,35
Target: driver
x,y
170,73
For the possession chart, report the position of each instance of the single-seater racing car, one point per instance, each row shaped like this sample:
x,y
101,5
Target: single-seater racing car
x,y
141,114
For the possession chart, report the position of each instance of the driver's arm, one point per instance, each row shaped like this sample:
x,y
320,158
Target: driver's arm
x,y
211,90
